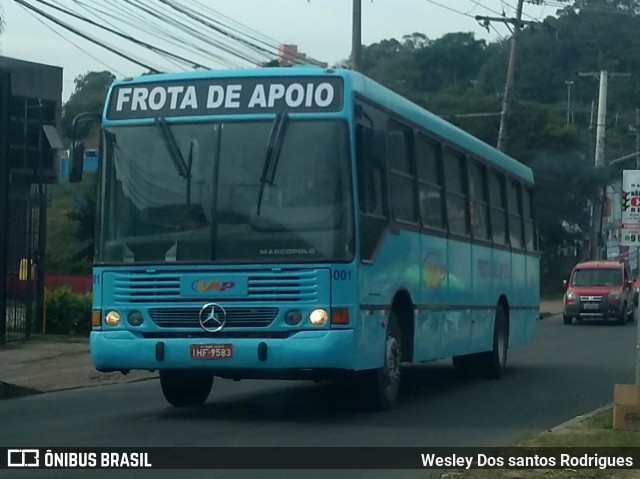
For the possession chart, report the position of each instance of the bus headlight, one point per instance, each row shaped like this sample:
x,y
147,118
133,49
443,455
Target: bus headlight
x,y
318,317
112,318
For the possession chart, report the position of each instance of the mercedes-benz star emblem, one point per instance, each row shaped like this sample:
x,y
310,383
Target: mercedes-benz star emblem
x,y
212,317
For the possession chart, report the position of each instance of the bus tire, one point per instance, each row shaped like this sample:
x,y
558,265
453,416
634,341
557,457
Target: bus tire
x,y
381,386
185,388
494,362
488,364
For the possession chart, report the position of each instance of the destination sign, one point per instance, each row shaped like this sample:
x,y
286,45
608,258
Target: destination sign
x,y
225,96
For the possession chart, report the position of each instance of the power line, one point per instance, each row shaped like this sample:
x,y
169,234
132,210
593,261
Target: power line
x,y
214,26
185,28
515,8
74,44
138,23
84,35
449,8
240,28
486,8
122,35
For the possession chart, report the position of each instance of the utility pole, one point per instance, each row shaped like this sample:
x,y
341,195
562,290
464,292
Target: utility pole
x,y
356,36
601,123
511,68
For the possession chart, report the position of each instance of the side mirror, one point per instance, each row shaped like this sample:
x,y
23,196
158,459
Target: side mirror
x,y
565,284
76,167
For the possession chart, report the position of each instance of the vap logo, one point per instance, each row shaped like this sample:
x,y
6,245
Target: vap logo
x,y
23,458
206,285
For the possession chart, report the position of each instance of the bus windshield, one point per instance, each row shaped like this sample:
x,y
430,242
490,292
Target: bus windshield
x,y
204,192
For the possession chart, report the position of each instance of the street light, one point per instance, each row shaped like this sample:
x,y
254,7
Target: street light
x,y
623,158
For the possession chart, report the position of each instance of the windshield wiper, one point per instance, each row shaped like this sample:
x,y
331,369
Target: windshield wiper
x,y
174,151
274,146
184,169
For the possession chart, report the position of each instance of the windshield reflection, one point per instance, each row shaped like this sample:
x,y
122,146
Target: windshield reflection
x,y
165,200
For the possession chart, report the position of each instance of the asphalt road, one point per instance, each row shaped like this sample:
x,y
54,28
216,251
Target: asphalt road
x,y
566,371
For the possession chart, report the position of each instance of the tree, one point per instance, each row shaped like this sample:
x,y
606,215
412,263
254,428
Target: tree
x,y
450,63
89,96
84,214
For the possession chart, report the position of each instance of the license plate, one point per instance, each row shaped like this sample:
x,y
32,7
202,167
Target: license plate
x,y
210,351
591,306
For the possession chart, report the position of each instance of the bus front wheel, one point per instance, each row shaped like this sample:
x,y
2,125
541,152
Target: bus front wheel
x,y
185,388
381,385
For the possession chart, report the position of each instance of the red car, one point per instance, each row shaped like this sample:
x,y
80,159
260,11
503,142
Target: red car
x,y
599,289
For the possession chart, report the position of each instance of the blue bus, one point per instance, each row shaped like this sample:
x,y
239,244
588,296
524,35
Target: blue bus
x,y
302,223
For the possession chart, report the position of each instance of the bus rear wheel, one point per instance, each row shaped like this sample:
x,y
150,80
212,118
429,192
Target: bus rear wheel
x,y
494,362
381,386
185,388
488,364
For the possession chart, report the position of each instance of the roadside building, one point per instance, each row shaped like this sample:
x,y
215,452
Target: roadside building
x,y
30,112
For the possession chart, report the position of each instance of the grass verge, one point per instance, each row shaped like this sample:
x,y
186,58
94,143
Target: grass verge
x,y
593,431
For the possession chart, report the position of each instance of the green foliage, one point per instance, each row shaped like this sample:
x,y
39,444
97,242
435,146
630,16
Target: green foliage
x,y
67,312
70,220
462,79
89,96
84,214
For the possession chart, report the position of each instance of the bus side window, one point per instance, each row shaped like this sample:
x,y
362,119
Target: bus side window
x,y
370,148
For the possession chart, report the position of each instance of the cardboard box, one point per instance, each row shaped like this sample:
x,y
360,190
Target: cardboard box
x,y
626,407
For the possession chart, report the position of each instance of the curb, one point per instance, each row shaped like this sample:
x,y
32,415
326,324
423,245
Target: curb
x,y
9,391
578,419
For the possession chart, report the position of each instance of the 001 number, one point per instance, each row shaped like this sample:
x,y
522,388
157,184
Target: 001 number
x,y
341,275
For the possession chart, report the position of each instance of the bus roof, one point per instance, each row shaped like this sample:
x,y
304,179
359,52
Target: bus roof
x,y
360,84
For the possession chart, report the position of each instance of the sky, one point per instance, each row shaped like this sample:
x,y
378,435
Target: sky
x,y
320,28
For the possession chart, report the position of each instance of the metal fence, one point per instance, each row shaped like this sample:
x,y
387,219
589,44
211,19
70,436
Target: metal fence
x,y
24,301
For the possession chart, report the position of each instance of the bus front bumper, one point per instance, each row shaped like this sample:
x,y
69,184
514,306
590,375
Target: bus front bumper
x,y
125,350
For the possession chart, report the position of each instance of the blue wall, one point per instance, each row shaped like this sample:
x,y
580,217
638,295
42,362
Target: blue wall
x,y
90,164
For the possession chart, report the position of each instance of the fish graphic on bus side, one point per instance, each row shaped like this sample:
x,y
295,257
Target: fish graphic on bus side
x,y
434,270
204,285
